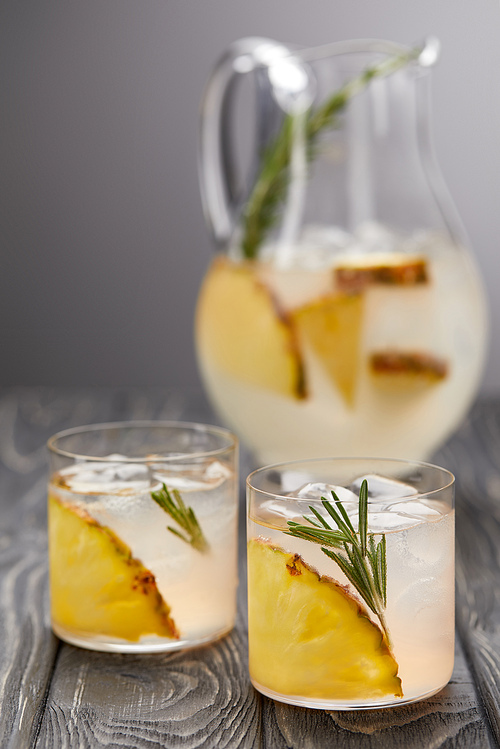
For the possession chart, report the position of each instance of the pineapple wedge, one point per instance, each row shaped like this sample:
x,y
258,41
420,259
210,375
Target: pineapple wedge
x,y
241,330
389,270
398,371
97,586
308,636
332,326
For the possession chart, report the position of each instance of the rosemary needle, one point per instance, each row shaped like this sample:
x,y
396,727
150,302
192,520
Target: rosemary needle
x,y
363,561
173,504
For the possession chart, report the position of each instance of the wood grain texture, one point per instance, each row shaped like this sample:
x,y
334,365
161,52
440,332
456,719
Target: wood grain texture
x,y
187,699
474,456
54,695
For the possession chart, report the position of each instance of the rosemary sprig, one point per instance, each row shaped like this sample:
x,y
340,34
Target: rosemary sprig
x,y
173,504
269,192
363,561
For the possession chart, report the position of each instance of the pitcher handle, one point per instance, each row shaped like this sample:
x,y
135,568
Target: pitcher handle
x,y
215,164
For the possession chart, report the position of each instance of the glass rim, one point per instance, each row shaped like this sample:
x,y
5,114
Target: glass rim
x,y
232,440
308,461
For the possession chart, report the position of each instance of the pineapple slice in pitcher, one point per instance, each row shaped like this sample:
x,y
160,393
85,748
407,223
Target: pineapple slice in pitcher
x,y
241,331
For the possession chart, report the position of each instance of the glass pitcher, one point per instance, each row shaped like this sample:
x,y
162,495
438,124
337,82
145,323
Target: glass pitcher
x,y
343,314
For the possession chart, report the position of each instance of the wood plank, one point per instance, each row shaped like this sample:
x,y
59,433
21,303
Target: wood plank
x,y
474,456
28,417
28,646
187,699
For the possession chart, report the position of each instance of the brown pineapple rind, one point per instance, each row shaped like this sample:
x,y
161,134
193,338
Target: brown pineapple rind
x,y
410,363
354,279
300,386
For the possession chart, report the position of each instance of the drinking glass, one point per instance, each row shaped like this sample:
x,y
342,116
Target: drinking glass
x,y
143,535
350,582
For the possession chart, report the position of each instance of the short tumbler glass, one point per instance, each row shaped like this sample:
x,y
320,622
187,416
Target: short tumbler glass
x,y
142,528
350,582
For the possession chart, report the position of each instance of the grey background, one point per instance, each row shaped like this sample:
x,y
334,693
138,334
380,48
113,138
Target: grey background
x,y
102,238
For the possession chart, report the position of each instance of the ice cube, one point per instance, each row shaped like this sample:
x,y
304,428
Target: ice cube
x,y
128,471
277,512
384,489
373,237
425,598
386,511
310,494
317,490
217,472
317,247
319,235
320,244
192,478
414,508
380,522
428,545
105,477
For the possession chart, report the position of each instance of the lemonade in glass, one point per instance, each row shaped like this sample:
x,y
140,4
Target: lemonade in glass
x,y
350,582
142,524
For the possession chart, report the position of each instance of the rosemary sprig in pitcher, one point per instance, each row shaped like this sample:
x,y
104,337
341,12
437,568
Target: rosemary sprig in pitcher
x,y
269,192
363,561
173,504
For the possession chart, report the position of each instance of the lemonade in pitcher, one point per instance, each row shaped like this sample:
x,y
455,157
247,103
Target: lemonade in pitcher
x,y
344,314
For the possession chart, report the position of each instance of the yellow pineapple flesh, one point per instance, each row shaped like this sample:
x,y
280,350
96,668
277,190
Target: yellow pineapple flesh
x,y
97,587
309,637
332,327
241,330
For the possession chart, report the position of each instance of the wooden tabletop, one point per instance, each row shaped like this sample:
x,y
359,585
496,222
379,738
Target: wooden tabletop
x,y
56,695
